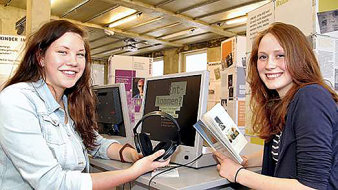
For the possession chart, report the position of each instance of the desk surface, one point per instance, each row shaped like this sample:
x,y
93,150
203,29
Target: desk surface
x,y
189,178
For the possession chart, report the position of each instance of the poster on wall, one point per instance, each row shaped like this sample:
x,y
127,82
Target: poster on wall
x,y
328,21
258,20
326,51
126,77
215,69
10,55
138,90
97,74
132,71
285,12
227,49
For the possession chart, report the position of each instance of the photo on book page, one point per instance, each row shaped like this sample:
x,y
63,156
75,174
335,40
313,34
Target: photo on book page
x,y
213,142
223,128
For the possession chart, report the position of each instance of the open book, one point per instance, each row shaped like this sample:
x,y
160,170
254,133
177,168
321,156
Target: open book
x,y
221,133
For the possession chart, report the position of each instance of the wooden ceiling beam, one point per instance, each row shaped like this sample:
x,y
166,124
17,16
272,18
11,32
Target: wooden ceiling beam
x,y
145,23
75,8
106,44
123,33
162,3
162,27
228,9
196,6
101,13
143,7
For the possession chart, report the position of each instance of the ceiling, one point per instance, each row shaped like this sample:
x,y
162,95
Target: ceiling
x,y
155,21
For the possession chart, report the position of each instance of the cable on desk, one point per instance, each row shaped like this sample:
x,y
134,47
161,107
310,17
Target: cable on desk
x,y
180,165
129,185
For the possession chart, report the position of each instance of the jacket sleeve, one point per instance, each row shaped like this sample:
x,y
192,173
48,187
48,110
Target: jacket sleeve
x,y
24,145
103,144
313,123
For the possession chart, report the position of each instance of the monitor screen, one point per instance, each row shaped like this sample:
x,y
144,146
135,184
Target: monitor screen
x,y
111,107
181,96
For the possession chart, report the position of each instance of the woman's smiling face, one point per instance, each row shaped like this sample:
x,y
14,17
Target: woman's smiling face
x,y
271,65
64,61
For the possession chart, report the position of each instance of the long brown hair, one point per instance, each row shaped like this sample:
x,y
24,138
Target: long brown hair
x,y
268,108
81,99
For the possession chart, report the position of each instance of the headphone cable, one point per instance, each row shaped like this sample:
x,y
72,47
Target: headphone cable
x,y
180,165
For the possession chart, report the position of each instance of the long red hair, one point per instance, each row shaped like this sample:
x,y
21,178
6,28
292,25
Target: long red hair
x,y
268,108
81,99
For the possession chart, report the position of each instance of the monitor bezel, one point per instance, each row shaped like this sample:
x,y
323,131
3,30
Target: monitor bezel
x,y
125,112
185,153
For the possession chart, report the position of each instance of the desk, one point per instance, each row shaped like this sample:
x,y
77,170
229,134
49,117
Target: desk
x,y
189,178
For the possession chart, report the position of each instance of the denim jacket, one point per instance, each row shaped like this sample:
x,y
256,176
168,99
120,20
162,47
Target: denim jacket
x,y
38,150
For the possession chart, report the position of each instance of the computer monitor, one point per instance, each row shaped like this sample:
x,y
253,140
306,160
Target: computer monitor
x,y
183,96
112,112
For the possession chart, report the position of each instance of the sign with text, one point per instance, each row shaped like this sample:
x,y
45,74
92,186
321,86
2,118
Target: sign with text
x,y
10,55
258,20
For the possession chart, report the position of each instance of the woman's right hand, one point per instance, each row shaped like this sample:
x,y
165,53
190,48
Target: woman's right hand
x,y
147,164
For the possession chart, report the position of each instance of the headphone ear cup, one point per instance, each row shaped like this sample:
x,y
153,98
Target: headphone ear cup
x,y
170,151
145,144
169,148
162,145
137,143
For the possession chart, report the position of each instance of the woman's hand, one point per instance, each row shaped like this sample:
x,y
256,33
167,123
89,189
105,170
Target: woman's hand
x,y
245,161
130,155
227,168
148,164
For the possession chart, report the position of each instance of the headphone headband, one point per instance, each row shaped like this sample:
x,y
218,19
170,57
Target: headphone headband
x,y
162,114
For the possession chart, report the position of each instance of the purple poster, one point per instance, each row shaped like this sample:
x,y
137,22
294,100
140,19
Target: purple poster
x,y
137,104
126,77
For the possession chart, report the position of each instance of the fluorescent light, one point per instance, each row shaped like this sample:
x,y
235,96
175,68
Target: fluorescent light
x,y
180,33
236,20
119,13
112,51
109,32
124,20
245,9
147,22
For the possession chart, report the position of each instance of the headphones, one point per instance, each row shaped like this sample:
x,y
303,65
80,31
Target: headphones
x,y
143,144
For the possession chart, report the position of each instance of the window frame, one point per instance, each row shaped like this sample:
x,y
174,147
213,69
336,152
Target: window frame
x,y
195,52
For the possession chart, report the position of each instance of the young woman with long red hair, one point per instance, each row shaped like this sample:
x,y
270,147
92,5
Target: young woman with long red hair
x,y
294,111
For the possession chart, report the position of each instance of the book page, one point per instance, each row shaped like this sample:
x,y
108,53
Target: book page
x,y
213,141
222,124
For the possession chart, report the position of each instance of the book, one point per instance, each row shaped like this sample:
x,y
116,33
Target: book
x,y
221,133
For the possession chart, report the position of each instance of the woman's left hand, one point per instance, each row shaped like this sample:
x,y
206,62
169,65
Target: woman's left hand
x,y
226,167
130,155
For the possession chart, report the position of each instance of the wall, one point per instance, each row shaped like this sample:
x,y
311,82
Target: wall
x,y
327,5
214,54
171,61
173,57
8,17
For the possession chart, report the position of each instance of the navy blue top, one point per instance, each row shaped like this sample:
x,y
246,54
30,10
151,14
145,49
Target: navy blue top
x,y
308,148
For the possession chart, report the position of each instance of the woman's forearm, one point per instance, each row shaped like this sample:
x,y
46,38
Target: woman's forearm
x,y
255,159
113,151
110,179
261,182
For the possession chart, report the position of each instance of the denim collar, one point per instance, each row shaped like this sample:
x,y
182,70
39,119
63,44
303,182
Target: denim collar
x,y
46,95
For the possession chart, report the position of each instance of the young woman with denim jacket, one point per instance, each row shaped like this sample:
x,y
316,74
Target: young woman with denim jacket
x,y
47,119
295,112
